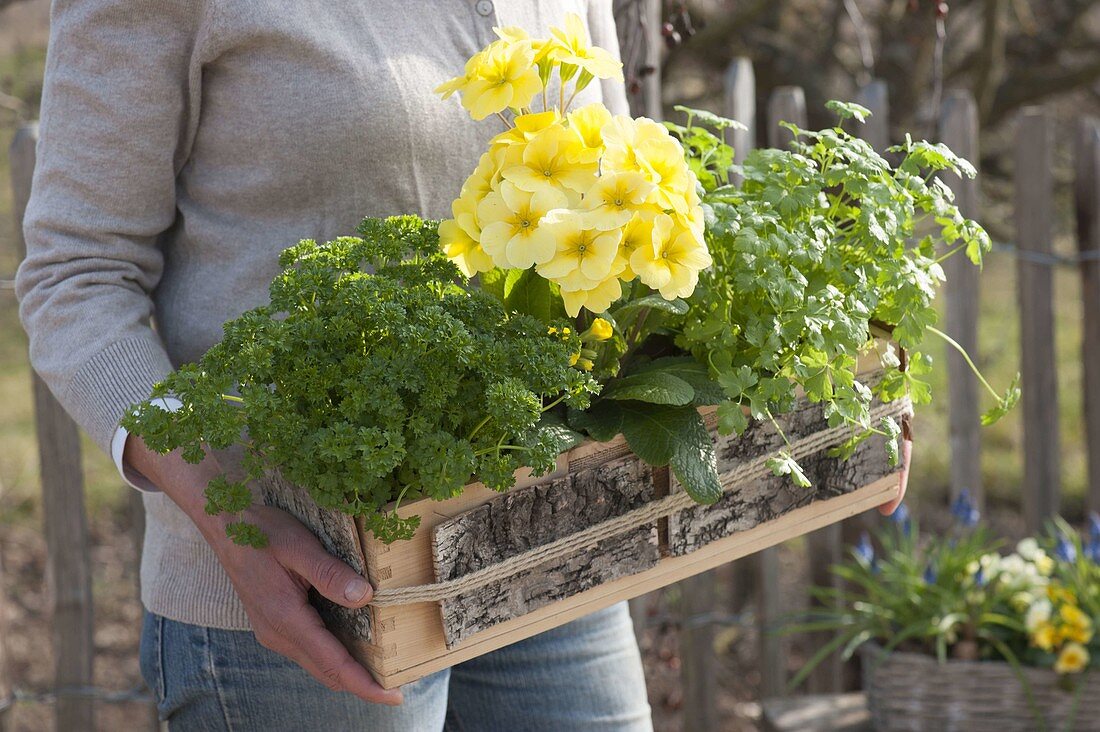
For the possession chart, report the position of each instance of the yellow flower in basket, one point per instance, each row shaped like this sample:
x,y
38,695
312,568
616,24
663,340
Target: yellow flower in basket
x,y
573,50
670,263
500,77
587,200
1073,659
1044,636
510,218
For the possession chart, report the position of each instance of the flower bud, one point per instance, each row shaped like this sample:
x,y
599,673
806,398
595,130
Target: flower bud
x,y
600,330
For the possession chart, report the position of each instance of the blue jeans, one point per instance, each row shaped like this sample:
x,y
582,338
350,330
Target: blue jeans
x,y
586,675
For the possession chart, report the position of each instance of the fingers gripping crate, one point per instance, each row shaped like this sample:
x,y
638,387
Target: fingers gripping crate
x,y
486,569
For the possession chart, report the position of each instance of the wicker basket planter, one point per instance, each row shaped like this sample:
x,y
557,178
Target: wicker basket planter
x,y
486,569
911,692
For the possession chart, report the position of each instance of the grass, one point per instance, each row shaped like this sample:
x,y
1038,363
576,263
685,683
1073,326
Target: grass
x,y
20,75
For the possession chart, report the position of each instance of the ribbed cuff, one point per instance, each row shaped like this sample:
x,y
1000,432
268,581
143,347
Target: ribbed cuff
x,y
112,382
132,477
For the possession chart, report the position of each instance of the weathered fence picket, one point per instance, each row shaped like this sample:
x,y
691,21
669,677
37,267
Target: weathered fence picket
x,y
1087,204
68,569
1034,219
959,131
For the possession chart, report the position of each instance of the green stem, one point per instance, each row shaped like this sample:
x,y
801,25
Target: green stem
x,y
231,398
488,450
478,426
554,403
966,357
571,98
778,429
951,253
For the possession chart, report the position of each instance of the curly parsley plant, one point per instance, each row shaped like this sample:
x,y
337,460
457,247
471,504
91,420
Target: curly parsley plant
x,y
372,377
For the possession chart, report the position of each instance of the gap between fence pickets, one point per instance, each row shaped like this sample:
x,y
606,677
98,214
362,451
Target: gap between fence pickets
x,y
671,569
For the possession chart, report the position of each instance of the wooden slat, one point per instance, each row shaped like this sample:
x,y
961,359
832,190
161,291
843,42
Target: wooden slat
x,y
959,131
740,104
68,567
1034,211
1087,200
699,671
875,96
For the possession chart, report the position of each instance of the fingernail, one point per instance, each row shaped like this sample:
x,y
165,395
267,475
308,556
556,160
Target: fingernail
x,y
356,590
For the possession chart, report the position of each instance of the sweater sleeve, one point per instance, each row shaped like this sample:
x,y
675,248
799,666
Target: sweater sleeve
x,y
119,106
601,24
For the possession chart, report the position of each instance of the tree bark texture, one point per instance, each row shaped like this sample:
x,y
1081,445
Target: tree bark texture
x,y
340,538
537,515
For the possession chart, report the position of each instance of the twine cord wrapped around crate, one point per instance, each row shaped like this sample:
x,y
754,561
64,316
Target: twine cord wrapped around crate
x,y
666,506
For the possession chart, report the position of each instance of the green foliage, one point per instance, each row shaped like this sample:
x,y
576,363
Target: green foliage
x,y
809,251
372,377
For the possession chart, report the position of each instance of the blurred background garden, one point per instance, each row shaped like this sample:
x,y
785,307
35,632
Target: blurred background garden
x,y
1010,54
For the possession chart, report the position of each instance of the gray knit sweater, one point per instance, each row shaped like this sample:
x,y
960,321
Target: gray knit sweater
x,y
185,143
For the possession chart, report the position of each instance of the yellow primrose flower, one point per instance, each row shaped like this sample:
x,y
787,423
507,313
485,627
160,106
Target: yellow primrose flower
x,y
584,255
573,48
480,183
1044,636
1073,659
612,200
1057,593
1074,633
549,159
510,219
463,249
596,299
600,330
671,263
1044,564
1075,617
503,77
588,122
638,231
526,127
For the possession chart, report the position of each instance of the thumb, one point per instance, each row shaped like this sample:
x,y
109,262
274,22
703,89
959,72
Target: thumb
x,y
325,573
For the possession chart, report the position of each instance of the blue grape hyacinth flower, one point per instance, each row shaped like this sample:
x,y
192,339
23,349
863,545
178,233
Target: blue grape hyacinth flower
x,y
903,519
1064,550
865,550
964,510
930,574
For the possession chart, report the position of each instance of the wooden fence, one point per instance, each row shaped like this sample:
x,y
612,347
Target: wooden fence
x,y
757,578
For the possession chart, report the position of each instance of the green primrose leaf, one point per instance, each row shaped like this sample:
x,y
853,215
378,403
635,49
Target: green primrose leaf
x,y
531,294
654,387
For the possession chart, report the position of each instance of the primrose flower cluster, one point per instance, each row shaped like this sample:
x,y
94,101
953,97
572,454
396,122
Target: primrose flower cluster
x,y
586,199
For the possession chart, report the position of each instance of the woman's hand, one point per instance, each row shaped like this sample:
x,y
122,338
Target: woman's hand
x,y
273,583
906,455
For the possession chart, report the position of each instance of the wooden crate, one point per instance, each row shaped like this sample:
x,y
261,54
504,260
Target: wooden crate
x,y
595,483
